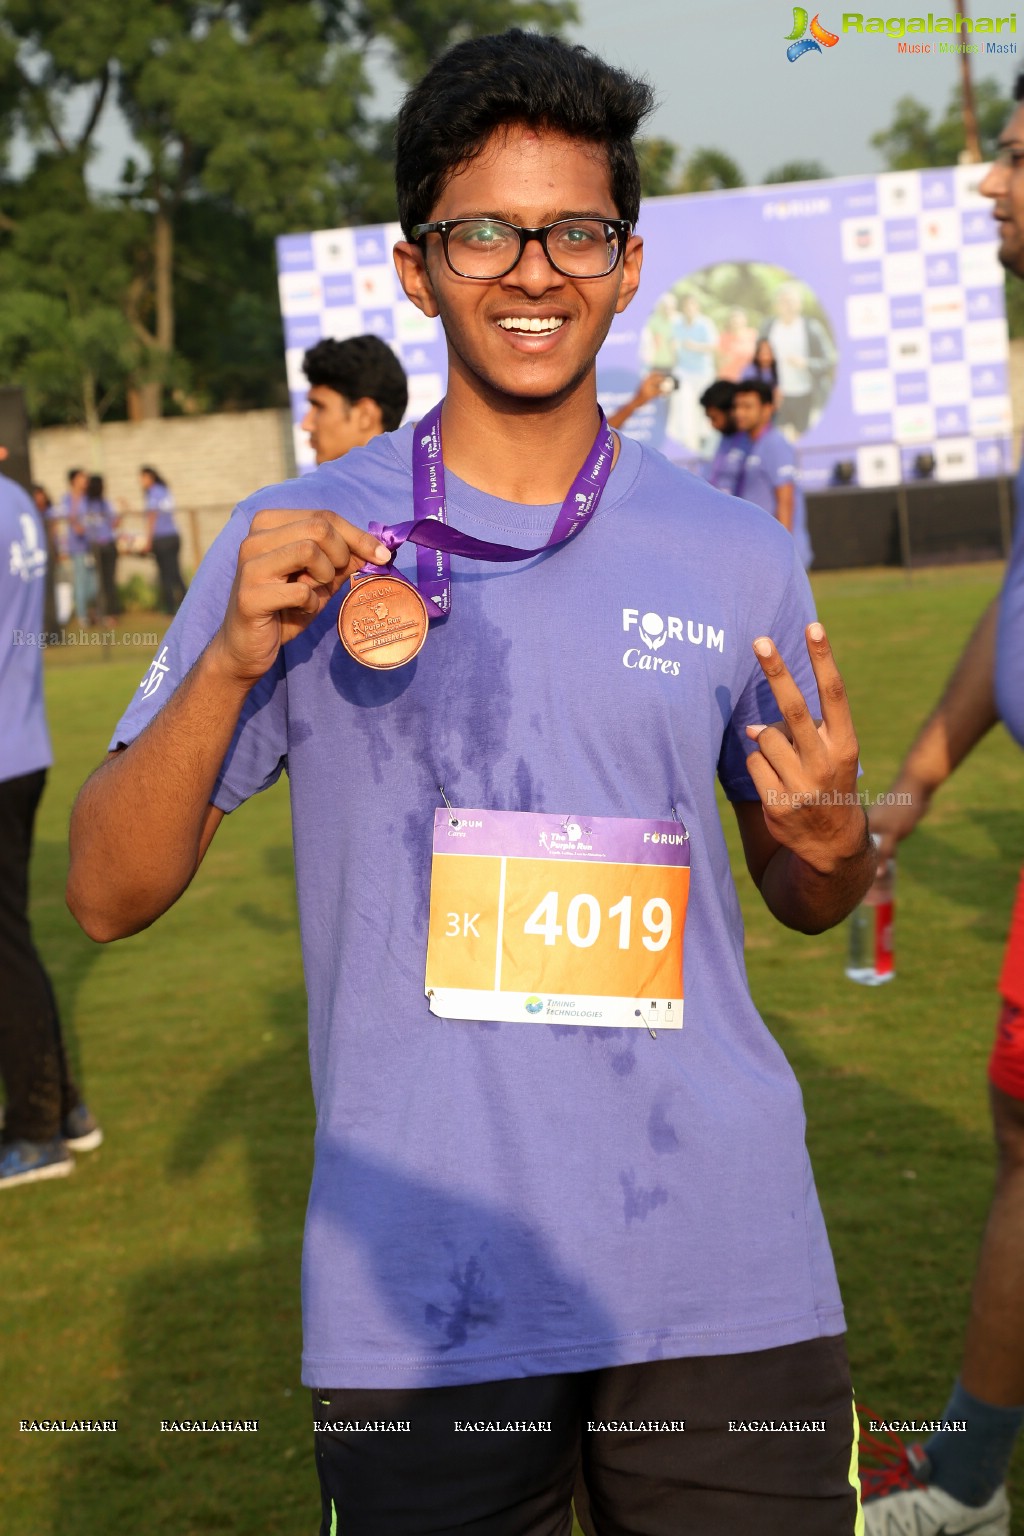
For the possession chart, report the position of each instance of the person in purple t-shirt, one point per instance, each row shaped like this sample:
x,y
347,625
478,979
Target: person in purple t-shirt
x,y
767,474
522,1224
43,1111
717,402
764,367
956,1481
70,513
101,523
164,538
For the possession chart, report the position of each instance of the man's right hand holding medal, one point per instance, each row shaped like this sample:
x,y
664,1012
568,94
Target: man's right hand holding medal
x,y
289,567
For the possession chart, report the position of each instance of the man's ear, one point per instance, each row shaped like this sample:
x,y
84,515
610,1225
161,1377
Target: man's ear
x,y
369,419
632,261
411,266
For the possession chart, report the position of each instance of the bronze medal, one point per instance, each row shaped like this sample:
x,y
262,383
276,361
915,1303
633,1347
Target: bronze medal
x,y
382,622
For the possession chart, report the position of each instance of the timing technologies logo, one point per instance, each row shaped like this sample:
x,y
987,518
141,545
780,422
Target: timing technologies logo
x,y
799,44
534,1005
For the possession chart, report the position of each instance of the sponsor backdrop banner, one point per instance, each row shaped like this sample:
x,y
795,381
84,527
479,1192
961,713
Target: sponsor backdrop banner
x,y
881,297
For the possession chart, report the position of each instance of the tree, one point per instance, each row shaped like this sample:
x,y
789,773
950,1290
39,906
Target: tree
x,y
232,328
796,170
657,158
705,170
418,31
710,170
64,266
912,141
256,111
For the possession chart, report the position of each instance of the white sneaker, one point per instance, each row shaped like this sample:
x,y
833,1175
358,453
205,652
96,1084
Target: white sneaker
x,y
898,1502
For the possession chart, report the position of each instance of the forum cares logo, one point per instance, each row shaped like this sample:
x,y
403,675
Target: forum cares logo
x,y
799,44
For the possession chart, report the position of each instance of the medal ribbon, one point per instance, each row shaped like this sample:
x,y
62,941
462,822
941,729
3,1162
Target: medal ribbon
x,y
437,541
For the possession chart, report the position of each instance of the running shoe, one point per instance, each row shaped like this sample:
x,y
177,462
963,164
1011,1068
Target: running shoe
x,y
25,1162
81,1130
898,1500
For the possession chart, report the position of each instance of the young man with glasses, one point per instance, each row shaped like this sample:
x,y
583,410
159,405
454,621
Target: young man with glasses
x,y
550,1232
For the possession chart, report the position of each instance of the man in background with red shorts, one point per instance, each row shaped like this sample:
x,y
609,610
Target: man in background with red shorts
x,y
957,1479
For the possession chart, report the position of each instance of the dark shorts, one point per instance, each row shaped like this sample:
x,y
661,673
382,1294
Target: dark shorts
x,y
758,1444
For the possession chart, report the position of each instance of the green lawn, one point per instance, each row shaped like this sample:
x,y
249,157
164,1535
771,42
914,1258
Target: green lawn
x,y
161,1280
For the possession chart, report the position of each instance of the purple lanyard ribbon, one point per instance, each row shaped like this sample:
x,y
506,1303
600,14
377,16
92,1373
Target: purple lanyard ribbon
x,y
437,541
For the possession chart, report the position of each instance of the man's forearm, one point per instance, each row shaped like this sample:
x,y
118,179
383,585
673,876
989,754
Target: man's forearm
x,y
810,901
137,824
784,506
965,712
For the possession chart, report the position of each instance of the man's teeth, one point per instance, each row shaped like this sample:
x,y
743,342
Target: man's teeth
x,y
512,324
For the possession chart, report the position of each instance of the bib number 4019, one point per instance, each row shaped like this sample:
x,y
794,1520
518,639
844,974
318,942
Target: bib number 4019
x,y
583,919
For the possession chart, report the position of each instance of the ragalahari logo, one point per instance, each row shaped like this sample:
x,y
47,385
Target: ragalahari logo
x,y
799,44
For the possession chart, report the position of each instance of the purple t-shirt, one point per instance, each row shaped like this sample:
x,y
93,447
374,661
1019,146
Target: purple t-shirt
x,y
74,543
718,470
754,469
756,371
1010,636
495,1200
24,740
160,501
100,521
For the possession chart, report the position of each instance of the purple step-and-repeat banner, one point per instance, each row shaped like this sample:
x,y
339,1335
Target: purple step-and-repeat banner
x,y
881,297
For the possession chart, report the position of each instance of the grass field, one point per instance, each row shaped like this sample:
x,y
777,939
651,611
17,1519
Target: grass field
x,y
161,1281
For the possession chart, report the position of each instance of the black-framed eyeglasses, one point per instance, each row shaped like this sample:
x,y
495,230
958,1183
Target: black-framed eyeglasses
x,y
487,248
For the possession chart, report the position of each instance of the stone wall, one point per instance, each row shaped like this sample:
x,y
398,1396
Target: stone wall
x,y
209,462
1017,391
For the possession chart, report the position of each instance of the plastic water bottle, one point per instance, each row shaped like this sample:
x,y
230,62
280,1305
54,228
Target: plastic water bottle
x,y
871,957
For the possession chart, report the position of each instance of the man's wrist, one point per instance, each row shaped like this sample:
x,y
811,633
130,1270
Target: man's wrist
x,y
222,669
847,848
915,786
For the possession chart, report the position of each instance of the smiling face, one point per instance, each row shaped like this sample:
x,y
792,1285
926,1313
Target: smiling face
x,y
1004,184
533,334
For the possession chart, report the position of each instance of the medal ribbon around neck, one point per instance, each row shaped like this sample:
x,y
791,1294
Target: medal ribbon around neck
x,y
437,541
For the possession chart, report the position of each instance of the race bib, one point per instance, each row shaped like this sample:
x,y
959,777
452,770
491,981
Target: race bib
x,y
557,919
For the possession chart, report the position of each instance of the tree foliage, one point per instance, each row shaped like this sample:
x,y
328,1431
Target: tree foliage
x,y
664,171
417,32
250,117
913,141
796,170
711,170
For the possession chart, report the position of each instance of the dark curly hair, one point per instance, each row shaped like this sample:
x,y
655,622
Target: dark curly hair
x,y
515,77
361,368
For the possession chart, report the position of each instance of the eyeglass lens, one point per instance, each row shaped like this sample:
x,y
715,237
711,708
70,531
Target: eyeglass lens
x,y
490,248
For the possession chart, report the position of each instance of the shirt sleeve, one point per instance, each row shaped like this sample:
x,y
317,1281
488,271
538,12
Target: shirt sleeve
x,y
258,749
756,704
780,461
1010,633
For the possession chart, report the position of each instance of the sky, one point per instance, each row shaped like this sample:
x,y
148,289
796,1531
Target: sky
x,y
722,79
720,71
